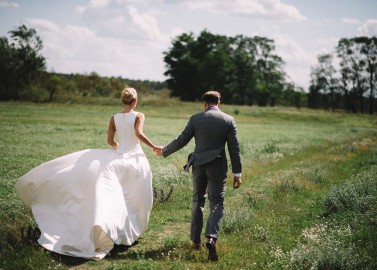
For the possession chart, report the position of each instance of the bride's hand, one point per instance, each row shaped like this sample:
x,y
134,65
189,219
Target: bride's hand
x,y
157,150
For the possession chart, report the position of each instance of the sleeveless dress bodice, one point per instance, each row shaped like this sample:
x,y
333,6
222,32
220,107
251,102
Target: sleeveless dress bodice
x,y
124,123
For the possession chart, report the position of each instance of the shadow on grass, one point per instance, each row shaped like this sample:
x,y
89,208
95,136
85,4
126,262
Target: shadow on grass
x,y
183,252
75,261
163,253
122,252
68,260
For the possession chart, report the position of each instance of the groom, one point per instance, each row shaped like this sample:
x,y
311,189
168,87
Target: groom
x,y
212,129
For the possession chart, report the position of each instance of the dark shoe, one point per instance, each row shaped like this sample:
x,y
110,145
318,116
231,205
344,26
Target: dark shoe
x,y
211,246
196,246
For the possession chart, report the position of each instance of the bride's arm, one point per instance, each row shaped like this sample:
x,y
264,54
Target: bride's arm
x,y
139,124
111,133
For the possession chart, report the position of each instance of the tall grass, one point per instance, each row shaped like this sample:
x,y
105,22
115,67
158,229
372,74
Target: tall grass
x,y
345,241
296,163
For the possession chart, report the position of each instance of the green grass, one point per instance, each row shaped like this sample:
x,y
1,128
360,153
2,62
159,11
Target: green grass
x,y
294,162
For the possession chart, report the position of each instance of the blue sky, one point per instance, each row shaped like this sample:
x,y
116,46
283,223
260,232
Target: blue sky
x,y
127,37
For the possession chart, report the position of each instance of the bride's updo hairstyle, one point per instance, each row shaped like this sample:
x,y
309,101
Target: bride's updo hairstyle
x,y
128,95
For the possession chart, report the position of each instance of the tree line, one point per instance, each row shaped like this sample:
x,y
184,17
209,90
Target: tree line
x,y
23,74
246,70
351,86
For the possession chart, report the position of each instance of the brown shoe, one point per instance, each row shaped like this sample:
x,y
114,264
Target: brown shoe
x,y
211,246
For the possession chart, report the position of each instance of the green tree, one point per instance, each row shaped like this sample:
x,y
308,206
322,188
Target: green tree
x,y
53,85
244,73
323,80
182,68
352,69
293,96
353,86
214,64
20,63
345,82
103,88
368,54
271,77
243,69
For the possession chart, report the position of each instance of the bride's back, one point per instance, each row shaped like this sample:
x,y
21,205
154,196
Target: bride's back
x,y
125,128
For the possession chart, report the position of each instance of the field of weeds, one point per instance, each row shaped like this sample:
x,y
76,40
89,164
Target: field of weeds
x,y
308,199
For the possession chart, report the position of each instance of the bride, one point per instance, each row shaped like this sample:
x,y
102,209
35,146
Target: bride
x,y
86,201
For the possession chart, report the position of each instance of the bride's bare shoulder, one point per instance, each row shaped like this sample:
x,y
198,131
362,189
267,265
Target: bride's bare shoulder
x,y
140,115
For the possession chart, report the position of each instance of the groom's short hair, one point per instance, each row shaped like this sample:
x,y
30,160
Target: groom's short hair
x,y
211,97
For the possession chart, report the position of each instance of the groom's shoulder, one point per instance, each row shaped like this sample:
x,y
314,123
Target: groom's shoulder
x,y
214,113
225,116
197,115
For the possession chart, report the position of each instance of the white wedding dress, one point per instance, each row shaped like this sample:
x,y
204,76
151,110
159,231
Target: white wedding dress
x,y
86,201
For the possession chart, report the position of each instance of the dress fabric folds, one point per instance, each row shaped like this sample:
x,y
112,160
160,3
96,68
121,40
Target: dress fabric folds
x,y
86,201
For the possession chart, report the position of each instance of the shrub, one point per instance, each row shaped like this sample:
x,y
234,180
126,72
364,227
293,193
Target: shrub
x,y
161,195
237,219
270,148
323,246
357,194
170,175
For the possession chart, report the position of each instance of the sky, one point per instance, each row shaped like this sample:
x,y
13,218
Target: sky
x,y
127,38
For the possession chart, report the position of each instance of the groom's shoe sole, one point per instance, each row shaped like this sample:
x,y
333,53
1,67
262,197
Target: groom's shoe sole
x,y
211,246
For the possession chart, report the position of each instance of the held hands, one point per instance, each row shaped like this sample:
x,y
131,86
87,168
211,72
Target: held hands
x,y
236,182
157,150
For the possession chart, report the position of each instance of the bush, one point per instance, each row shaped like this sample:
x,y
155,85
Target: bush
x,y
271,148
357,194
237,219
348,240
170,175
325,247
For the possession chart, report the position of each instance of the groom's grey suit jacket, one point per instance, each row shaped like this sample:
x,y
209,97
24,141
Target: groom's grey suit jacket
x,y
212,129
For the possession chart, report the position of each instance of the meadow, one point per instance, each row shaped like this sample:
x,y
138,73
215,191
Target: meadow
x,y
308,199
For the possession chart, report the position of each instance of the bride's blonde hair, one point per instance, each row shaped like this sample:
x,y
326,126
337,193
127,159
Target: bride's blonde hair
x,y
128,95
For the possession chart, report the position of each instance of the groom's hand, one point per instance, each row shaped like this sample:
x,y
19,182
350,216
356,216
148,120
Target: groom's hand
x,y
236,182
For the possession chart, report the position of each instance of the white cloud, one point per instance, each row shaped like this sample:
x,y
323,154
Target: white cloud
x,y
291,51
369,28
266,9
73,49
93,4
98,4
43,25
120,20
297,59
145,23
7,4
326,45
350,21
124,2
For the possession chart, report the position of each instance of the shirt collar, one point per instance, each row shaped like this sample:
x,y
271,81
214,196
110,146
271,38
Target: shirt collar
x,y
213,107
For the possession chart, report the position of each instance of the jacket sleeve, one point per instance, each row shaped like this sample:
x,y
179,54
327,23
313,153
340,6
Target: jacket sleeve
x,y
234,148
181,141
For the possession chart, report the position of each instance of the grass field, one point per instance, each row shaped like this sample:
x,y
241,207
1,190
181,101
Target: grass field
x,y
308,197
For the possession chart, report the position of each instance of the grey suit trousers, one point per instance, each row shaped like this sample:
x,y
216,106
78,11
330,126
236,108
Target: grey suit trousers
x,y
208,178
